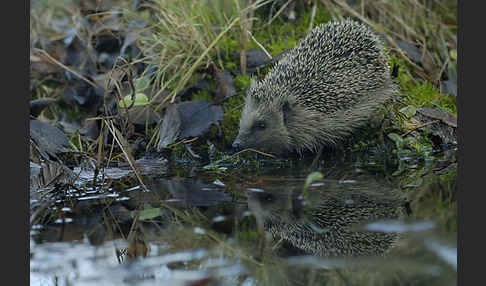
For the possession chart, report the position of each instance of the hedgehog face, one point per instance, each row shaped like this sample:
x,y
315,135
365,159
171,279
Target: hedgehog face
x,y
262,127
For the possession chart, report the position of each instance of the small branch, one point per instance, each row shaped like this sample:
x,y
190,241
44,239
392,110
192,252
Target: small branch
x,y
260,45
236,107
313,15
420,126
278,13
242,151
252,150
65,67
191,152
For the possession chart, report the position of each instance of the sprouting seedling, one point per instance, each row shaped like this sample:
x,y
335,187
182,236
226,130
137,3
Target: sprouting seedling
x,y
314,176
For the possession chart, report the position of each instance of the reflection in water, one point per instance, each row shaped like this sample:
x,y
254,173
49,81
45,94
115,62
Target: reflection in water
x,y
329,222
185,230
191,192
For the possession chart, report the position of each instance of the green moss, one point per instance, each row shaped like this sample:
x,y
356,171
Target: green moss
x,y
202,94
283,34
421,94
280,35
241,82
228,44
248,236
230,65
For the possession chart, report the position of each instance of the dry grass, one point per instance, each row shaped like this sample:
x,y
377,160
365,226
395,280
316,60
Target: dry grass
x,y
429,24
183,37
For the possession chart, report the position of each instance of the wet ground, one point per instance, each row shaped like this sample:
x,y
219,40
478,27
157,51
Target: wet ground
x,y
363,220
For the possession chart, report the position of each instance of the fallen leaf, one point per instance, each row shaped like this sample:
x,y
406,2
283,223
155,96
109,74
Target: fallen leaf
x,y
197,116
188,119
170,128
440,114
226,87
36,106
48,138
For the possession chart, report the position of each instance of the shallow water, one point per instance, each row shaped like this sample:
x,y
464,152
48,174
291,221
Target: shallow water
x,y
358,225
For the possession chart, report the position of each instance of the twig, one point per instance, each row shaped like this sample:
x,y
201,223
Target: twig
x,y
313,15
242,151
102,117
123,146
184,141
191,152
246,150
318,156
244,27
236,107
260,45
420,126
440,74
64,67
278,13
132,87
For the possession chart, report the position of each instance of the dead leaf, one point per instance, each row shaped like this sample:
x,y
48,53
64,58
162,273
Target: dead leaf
x,y
410,50
255,59
440,114
445,126
226,87
197,116
170,128
49,139
188,119
37,105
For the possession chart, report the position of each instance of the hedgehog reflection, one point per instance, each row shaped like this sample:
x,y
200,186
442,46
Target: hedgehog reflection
x,y
330,224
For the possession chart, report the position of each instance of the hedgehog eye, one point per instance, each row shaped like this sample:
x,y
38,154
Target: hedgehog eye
x,y
259,125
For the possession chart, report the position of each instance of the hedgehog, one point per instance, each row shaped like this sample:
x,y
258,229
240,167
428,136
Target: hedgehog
x,y
319,92
330,223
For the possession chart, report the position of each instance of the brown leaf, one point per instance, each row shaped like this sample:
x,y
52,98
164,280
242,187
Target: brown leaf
x,y
37,105
197,116
170,128
226,86
48,138
188,119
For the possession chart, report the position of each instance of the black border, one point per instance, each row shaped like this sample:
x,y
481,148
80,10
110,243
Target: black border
x,y
15,23
470,166
24,37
